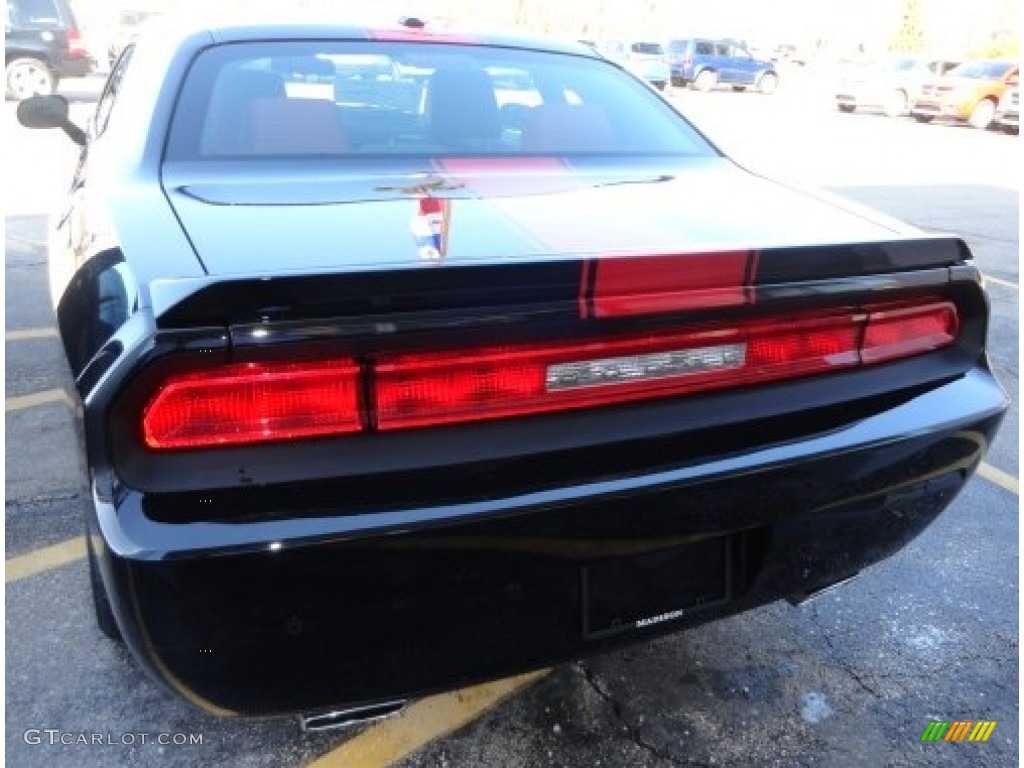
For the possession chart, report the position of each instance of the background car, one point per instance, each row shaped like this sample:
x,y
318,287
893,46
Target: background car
x,y
704,63
1008,111
969,92
646,60
382,395
129,22
890,85
42,44
788,53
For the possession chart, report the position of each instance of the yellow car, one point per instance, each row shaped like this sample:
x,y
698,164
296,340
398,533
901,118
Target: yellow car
x,y
969,92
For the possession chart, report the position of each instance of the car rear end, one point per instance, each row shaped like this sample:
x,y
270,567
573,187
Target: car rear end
x,y
77,60
647,61
934,100
857,87
492,485
687,58
347,469
679,55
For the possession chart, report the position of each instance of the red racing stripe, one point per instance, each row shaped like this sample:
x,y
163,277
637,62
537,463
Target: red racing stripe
x,y
641,285
613,286
496,177
420,36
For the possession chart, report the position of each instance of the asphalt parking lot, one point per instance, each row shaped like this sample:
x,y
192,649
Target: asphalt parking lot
x,y
852,678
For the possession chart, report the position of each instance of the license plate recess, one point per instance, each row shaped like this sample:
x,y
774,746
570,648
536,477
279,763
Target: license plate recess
x,y
629,593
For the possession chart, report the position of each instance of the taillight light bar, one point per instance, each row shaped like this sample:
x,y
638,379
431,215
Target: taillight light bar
x,y
76,43
896,331
418,390
254,403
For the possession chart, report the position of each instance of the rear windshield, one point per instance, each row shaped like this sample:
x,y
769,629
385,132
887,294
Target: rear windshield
x,y
266,100
982,70
37,14
651,49
904,65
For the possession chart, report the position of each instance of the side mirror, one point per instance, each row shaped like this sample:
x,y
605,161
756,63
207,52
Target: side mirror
x,y
49,112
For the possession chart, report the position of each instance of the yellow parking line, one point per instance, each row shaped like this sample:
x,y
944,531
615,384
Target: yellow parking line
x,y
21,402
44,559
30,333
1004,480
423,722
1000,281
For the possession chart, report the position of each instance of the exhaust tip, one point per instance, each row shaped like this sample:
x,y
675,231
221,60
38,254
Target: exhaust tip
x,y
799,598
345,718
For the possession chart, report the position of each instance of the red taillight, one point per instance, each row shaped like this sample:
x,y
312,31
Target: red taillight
x,y
782,350
902,331
253,403
262,402
76,44
417,390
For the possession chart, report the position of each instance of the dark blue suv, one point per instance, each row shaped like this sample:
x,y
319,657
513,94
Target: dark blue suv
x,y
704,63
42,44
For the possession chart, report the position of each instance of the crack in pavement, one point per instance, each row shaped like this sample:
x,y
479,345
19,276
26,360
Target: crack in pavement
x,y
837,658
632,729
47,498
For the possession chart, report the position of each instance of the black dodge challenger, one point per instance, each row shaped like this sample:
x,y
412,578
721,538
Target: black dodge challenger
x,y
409,359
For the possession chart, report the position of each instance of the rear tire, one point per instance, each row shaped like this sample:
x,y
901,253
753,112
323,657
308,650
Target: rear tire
x,y
29,76
983,114
768,83
101,603
847,108
706,80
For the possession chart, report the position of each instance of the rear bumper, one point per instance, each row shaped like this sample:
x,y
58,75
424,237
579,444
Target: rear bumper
x,y
1008,118
75,66
940,109
682,72
298,615
654,73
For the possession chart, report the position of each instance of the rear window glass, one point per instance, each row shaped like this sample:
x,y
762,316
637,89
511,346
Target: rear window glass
x,y
981,69
276,99
651,49
903,65
35,13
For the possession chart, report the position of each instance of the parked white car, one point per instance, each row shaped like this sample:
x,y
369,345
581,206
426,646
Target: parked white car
x,y
889,85
646,60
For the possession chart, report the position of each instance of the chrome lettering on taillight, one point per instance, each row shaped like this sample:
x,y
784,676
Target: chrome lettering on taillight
x,y
657,365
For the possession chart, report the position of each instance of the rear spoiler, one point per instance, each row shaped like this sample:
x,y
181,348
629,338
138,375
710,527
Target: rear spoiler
x,y
583,287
